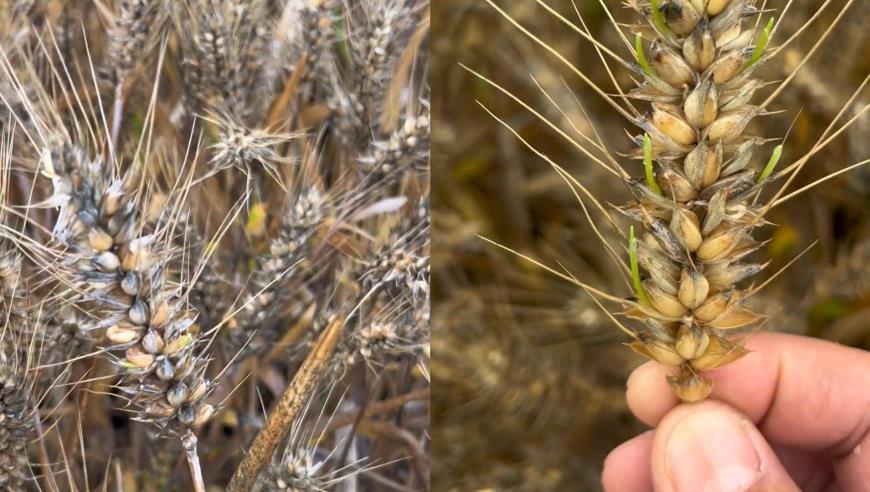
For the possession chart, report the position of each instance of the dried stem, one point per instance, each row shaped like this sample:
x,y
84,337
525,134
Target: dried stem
x,y
289,406
189,444
117,113
418,453
380,407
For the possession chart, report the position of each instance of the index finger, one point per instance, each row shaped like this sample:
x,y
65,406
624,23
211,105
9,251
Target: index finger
x,y
799,391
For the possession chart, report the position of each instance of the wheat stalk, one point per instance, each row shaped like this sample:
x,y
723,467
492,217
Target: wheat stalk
x,y
289,406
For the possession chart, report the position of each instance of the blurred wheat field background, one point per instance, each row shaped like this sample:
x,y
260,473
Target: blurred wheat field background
x,y
529,374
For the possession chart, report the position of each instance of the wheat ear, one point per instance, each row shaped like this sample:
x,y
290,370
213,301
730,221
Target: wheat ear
x,y
122,270
15,407
697,210
18,332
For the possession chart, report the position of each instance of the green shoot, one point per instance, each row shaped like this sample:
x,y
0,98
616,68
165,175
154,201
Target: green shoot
x,y
640,55
635,269
659,20
774,158
762,44
648,166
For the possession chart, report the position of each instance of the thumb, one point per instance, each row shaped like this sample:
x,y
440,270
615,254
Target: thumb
x,y
711,447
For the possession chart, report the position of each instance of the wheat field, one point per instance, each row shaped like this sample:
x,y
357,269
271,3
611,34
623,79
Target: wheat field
x,y
214,252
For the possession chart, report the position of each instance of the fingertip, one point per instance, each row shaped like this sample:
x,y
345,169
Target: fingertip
x,y
853,470
648,394
627,467
785,382
711,446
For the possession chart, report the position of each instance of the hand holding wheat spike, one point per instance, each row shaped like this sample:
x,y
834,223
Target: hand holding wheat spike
x,y
697,204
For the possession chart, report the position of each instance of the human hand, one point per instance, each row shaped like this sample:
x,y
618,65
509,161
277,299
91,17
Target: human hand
x,y
794,415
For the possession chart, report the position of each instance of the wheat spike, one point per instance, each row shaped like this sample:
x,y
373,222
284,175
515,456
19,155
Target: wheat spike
x,y
404,148
390,292
313,39
306,462
358,98
15,416
697,207
18,332
222,45
133,28
281,273
120,264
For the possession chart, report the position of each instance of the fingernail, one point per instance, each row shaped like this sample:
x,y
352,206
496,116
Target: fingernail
x,y
711,451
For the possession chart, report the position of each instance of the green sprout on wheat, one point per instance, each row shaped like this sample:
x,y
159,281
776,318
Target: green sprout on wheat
x,y
635,269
